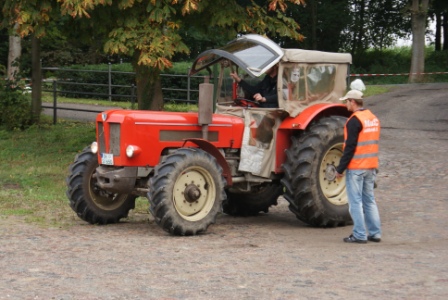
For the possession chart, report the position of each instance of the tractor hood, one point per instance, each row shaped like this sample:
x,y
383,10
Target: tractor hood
x,y
253,53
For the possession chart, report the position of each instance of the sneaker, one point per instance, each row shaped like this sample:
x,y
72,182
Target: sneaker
x,y
352,239
374,239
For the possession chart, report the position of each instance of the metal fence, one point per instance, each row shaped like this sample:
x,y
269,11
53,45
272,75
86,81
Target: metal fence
x,y
69,81
64,86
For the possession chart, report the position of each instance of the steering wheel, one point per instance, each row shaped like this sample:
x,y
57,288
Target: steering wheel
x,y
245,102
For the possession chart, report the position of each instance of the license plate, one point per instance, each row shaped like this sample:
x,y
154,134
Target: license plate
x,y
107,158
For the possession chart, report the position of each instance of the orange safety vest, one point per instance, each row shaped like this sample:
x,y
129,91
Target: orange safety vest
x,y
366,152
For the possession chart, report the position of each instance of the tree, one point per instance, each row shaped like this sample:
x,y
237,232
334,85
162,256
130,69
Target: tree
x,y
321,24
29,18
445,30
149,30
15,49
419,14
374,24
385,22
440,12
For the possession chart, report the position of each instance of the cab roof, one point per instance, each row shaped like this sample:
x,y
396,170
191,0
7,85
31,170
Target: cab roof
x,y
255,54
312,56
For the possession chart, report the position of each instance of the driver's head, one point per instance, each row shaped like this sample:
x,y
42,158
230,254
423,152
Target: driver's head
x,y
273,71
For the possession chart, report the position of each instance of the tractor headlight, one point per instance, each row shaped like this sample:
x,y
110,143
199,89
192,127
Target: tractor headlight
x,y
132,151
94,147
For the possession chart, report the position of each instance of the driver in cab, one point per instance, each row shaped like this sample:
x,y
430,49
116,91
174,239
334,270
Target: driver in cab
x,y
265,92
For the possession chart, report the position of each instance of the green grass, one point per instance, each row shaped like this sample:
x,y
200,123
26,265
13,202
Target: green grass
x,y
34,165
48,97
376,90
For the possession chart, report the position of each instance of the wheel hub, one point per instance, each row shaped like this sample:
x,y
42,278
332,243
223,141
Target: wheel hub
x,y
330,172
192,193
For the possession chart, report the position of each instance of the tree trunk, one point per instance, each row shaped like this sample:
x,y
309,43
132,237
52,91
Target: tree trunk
x,y
36,80
358,34
438,34
445,30
313,7
15,50
419,12
149,88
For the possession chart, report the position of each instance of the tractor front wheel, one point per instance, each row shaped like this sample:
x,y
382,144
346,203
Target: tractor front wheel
x,y
87,199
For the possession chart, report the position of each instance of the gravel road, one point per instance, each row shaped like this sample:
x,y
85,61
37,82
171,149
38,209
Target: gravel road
x,y
271,256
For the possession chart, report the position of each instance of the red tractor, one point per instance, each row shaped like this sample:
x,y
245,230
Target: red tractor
x,y
238,159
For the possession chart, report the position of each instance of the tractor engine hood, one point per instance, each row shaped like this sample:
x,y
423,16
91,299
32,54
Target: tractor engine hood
x,y
153,132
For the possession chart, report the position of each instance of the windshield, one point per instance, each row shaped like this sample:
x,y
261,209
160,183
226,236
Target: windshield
x,y
254,56
253,53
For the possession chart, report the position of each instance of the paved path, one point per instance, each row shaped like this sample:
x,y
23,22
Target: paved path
x,y
71,111
272,256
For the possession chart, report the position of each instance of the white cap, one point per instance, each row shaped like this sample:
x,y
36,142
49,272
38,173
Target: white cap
x,y
357,84
352,94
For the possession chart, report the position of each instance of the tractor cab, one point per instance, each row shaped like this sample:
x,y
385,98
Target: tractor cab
x,y
304,78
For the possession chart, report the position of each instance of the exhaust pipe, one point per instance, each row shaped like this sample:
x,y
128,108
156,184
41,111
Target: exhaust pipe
x,y
205,106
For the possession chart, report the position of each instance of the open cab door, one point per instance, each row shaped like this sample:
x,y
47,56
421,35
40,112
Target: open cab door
x,y
252,53
249,55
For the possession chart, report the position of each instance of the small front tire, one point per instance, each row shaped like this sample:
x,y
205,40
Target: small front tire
x,y
87,199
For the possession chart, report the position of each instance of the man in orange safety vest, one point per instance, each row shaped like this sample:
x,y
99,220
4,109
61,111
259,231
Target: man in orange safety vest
x,y
360,160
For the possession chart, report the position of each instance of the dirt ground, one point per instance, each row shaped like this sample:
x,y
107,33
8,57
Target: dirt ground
x,y
271,256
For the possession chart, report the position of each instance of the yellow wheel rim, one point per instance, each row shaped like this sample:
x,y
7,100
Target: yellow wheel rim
x,y
194,193
333,188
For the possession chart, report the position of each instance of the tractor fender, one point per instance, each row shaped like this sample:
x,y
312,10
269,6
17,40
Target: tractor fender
x,y
313,112
301,122
211,149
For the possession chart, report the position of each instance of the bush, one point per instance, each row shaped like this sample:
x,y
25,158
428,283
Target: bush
x,y
398,61
15,107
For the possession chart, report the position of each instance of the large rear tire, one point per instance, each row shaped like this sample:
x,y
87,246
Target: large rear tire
x,y
186,192
87,199
315,196
251,203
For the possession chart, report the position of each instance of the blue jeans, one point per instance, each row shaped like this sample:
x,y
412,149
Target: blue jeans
x,y
362,205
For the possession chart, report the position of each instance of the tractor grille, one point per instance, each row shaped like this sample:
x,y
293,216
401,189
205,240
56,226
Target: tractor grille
x,y
114,142
101,138
114,138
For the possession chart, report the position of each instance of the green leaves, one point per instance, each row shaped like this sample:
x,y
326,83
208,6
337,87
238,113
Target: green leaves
x,y
152,27
149,31
30,16
190,6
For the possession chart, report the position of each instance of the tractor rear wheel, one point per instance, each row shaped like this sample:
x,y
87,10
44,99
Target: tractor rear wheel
x,y
186,192
87,199
314,194
250,204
